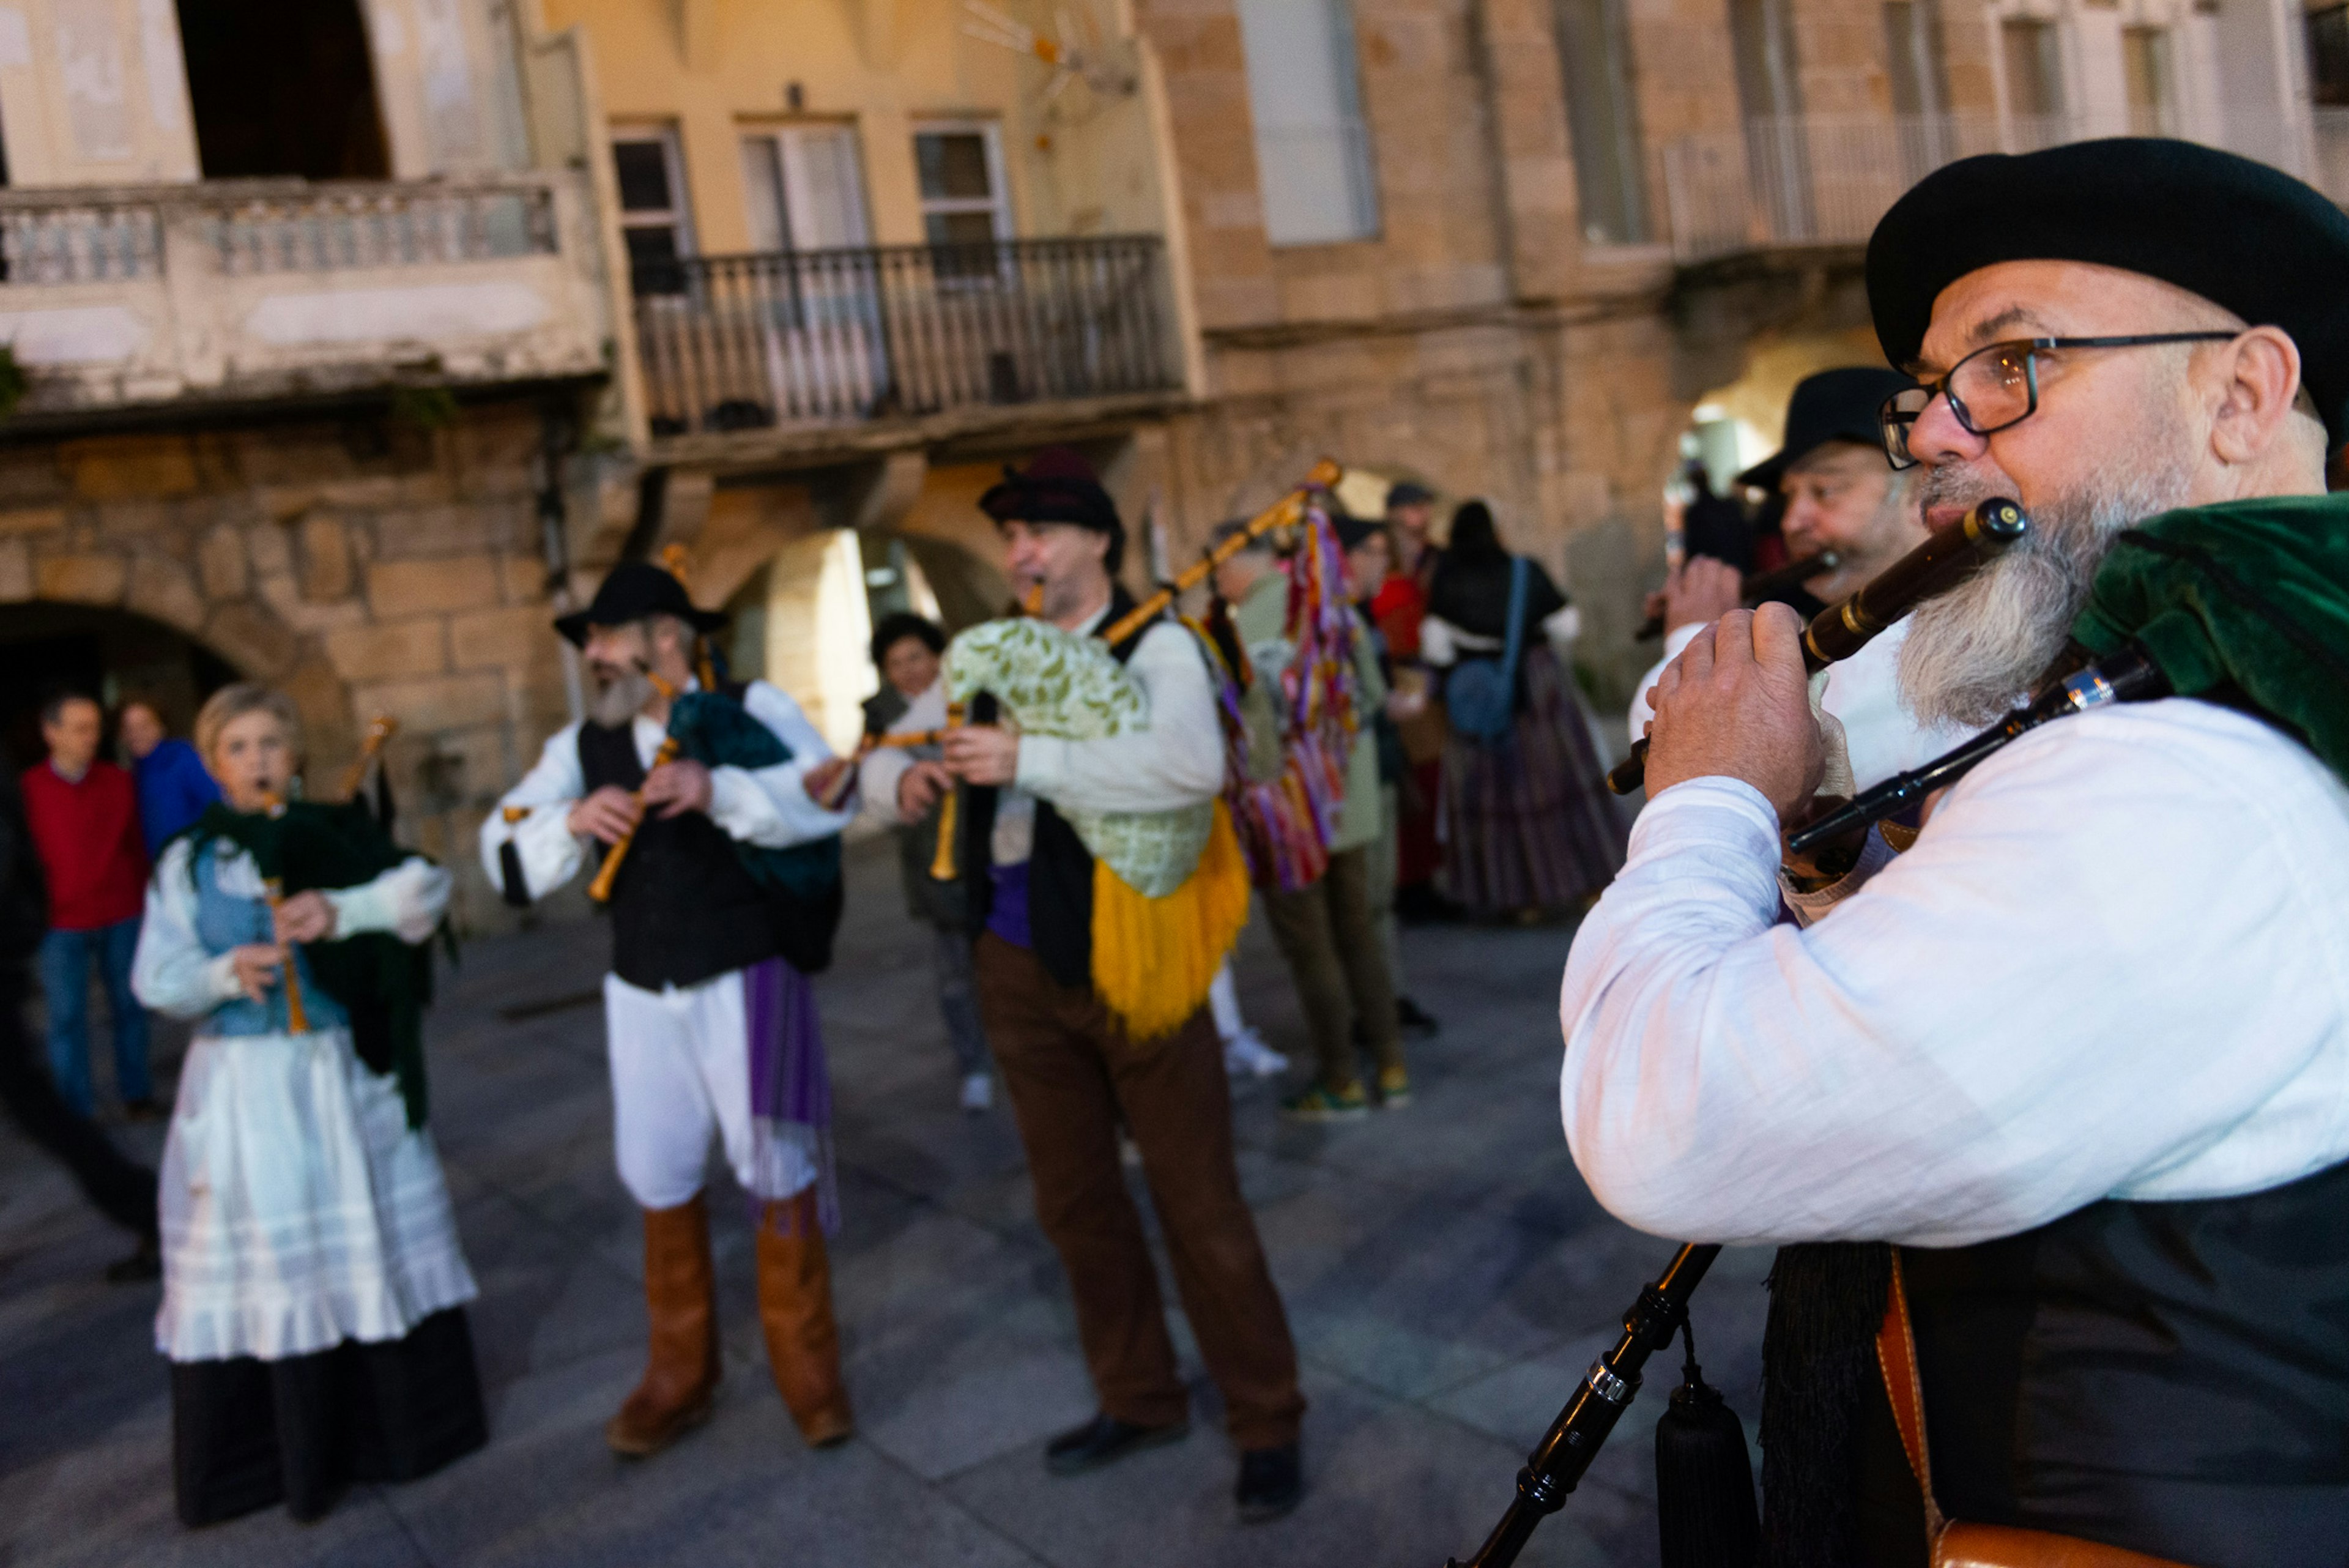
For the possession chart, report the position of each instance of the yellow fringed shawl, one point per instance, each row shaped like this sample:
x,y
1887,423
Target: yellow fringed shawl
x,y
1154,958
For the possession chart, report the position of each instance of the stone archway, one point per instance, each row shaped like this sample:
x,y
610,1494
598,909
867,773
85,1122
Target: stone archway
x,y
141,620
112,654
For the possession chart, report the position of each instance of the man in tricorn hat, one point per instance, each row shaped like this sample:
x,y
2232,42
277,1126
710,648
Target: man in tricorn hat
x,y
720,908
1073,1070
2080,1052
1840,495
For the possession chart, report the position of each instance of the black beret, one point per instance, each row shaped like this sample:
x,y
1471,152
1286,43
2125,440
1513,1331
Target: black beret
x,y
1057,486
2243,235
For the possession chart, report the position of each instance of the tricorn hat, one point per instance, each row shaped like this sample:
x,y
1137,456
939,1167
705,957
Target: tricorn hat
x,y
1833,405
2245,236
633,590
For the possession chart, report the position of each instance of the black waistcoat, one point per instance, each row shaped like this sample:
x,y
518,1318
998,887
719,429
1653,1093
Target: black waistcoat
x,y
1060,867
683,907
2169,1377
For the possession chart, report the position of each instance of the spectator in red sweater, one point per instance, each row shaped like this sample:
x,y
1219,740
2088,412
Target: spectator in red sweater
x,y
84,820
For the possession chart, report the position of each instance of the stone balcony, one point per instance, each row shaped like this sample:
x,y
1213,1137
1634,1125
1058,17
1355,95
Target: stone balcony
x,y
131,300
814,354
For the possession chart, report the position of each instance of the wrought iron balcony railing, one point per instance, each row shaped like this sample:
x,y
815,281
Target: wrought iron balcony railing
x,y
817,338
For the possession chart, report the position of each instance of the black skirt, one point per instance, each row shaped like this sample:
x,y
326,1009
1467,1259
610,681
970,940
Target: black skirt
x,y
246,1433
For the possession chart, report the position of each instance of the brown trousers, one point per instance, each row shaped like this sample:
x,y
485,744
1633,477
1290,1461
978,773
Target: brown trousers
x,y
1073,1077
1330,935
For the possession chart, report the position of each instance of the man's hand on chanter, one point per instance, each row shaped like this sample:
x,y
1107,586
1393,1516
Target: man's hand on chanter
x,y
1736,703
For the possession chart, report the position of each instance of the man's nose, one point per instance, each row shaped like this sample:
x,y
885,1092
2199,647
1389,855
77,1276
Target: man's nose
x,y
1936,437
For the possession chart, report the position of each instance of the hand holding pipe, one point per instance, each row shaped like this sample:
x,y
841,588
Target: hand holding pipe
x,y
297,1022
1760,586
1559,1461
2127,676
1940,564
600,889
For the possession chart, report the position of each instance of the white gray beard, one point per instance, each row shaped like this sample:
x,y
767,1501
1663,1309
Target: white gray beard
x,y
1973,653
619,697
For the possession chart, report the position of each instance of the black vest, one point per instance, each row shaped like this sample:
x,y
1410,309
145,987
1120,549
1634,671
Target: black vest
x,y
683,910
1060,867
2168,1377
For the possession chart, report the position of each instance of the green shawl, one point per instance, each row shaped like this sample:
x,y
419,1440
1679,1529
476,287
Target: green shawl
x,y
381,981
2249,594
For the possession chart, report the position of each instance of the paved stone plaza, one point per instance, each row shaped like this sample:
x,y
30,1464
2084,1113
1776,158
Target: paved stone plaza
x,y
1447,1274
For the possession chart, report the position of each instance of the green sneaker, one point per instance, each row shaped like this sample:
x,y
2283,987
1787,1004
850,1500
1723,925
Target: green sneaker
x,y
1394,1088
1319,1104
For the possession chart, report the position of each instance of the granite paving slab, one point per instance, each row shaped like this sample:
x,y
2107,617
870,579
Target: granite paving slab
x,y
1447,1275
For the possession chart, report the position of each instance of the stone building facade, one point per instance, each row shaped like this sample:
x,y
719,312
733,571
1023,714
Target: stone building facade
x,y
789,284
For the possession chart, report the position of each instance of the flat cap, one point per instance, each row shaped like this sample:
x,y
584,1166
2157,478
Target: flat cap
x,y
2244,235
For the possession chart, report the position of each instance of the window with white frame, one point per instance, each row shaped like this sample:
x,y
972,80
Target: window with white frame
x,y
654,222
1312,147
803,189
959,167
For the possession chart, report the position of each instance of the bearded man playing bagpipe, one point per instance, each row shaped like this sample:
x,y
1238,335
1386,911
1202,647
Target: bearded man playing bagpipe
x,y
724,900
2081,1053
1108,885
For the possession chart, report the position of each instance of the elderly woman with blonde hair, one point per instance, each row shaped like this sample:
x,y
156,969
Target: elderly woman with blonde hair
x,y
312,1286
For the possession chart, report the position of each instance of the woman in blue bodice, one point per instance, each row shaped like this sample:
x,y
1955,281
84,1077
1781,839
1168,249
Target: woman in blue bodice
x,y
312,1286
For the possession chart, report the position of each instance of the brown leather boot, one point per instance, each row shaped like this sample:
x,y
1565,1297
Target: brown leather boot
x,y
681,1369
795,1309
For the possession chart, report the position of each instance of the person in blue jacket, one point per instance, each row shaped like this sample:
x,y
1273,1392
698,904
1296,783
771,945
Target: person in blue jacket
x,y
173,787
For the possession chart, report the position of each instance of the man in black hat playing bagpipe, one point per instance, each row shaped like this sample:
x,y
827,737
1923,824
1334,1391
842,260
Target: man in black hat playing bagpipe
x,y
2082,1053
724,898
1841,497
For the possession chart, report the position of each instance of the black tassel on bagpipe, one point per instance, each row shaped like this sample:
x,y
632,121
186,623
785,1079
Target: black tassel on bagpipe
x,y
1559,1462
1705,1516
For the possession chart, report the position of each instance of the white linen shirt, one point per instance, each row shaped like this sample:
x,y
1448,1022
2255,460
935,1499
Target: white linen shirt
x,y
766,806
1864,695
2114,965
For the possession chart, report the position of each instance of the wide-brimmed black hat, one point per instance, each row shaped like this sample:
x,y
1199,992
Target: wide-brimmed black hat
x,y
1833,405
2243,235
634,590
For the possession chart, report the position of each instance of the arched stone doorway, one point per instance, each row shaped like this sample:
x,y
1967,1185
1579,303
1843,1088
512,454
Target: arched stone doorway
x,y
112,654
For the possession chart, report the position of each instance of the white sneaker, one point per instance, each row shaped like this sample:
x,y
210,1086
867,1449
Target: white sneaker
x,y
1247,1052
978,1093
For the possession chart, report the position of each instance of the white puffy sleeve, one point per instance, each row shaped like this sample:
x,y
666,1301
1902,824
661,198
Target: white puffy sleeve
x,y
1177,760
770,807
172,972
406,900
551,854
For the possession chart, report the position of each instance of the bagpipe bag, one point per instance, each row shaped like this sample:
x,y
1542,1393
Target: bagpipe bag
x,y
1170,887
2249,594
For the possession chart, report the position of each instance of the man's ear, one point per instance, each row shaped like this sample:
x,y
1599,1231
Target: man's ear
x,y
2258,379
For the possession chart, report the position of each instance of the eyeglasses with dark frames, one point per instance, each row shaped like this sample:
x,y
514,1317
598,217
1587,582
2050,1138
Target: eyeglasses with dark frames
x,y
1996,386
